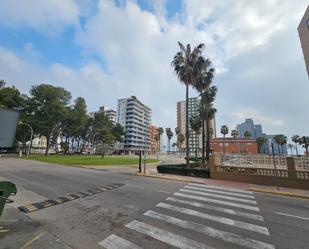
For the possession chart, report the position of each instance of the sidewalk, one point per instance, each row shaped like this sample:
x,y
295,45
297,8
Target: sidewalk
x,y
152,172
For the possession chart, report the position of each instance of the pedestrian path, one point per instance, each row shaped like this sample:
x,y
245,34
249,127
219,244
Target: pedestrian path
x,y
197,216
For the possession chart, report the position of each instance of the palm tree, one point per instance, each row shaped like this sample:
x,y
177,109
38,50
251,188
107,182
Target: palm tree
x,y
224,131
295,139
304,141
160,131
202,84
234,133
260,141
208,112
181,139
290,146
174,145
280,140
196,123
247,134
169,134
186,67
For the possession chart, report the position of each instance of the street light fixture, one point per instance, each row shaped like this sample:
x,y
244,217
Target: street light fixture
x,y
28,152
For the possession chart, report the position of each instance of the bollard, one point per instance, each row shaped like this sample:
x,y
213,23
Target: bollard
x,y
6,190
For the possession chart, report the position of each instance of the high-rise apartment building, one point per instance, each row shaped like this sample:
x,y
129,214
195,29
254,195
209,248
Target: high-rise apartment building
x,y
135,117
303,31
111,114
248,125
195,141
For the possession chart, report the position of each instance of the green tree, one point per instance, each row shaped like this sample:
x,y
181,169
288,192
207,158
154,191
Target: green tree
x,y
11,98
2,83
118,132
304,141
247,134
49,110
295,139
260,141
169,133
280,140
234,133
196,124
185,65
181,139
160,131
290,146
224,131
202,84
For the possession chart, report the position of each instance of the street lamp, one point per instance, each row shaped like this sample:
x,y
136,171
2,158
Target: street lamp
x,y
28,152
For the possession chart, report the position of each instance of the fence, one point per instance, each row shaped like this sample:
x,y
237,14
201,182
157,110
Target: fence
x,y
259,169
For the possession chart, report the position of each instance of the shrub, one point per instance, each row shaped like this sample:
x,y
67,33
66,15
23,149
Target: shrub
x,y
181,169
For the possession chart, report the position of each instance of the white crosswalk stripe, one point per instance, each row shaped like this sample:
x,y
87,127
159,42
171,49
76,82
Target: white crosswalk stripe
x,y
232,204
115,242
165,236
217,209
220,192
218,196
219,219
221,188
215,233
217,204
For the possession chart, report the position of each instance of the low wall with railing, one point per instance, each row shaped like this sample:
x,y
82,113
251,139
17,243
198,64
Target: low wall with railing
x,y
261,169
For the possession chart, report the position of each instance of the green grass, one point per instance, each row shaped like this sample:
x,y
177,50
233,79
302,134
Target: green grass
x,y
89,160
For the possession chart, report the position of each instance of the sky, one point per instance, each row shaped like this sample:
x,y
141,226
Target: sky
x,y
104,50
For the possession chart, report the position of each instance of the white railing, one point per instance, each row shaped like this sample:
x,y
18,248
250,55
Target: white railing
x,y
250,161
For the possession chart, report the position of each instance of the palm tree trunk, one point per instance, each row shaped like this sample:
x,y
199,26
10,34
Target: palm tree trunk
x,y
296,149
187,124
223,143
207,138
203,140
47,144
196,146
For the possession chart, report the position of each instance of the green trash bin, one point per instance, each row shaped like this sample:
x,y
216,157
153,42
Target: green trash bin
x,y
6,190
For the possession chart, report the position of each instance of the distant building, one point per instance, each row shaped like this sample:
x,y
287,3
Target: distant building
x,y
135,117
234,145
153,144
303,31
278,149
195,141
248,125
110,113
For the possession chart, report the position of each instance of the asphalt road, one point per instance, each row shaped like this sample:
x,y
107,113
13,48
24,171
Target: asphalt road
x,y
143,213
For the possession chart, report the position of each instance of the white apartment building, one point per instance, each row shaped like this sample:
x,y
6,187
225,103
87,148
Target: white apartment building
x,y
135,117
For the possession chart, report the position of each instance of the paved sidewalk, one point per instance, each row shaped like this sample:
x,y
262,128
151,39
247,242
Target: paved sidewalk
x,y
152,172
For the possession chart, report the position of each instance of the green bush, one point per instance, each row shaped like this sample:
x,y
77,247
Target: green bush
x,y
181,169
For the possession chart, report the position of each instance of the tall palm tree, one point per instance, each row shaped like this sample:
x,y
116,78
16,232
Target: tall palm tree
x,y
169,134
186,67
280,140
196,124
290,146
295,139
247,134
260,141
160,131
234,133
304,141
181,139
224,131
202,84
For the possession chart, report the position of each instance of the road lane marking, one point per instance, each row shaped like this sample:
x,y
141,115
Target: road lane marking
x,y
291,215
217,209
218,196
32,240
220,192
135,186
162,191
115,242
222,188
232,204
211,232
165,236
219,219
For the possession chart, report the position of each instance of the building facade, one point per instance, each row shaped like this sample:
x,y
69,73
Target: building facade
x,y
153,144
234,145
135,117
110,113
248,125
278,149
303,31
195,141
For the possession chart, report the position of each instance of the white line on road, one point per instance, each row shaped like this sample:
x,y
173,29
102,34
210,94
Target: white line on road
x,y
219,219
294,216
162,191
218,196
165,236
232,204
217,209
222,188
135,186
220,192
211,232
115,242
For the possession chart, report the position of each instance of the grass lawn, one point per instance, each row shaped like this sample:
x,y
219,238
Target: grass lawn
x,y
89,160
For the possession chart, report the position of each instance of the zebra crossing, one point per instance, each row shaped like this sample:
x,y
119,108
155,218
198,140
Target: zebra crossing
x,y
197,216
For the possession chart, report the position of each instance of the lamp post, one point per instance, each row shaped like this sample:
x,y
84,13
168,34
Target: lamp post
x,y
28,152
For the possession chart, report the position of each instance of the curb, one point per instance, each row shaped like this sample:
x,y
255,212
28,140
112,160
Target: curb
x,y
279,193
167,178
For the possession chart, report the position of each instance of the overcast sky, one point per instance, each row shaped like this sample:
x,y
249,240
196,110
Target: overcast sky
x,y
106,50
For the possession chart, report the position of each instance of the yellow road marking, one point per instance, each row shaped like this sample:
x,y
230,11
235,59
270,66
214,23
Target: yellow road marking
x,y
32,240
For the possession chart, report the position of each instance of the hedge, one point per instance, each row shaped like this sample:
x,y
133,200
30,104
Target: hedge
x,y
180,169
